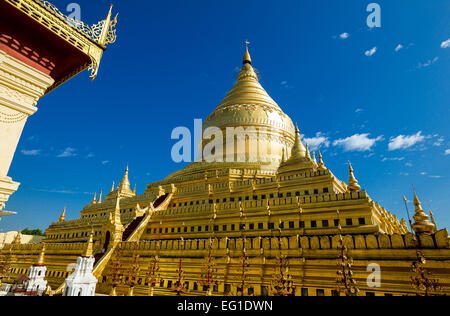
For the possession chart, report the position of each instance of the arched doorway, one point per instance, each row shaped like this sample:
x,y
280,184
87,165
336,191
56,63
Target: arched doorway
x,y
107,238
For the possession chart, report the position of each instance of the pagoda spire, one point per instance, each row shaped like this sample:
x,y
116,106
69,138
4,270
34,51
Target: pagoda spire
x,y
422,223
283,157
17,239
124,185
135,187
62,218
115,215
113,187
353,185
308,155
247,57
321,165
88,252
298,150
94,199
40,260
99,201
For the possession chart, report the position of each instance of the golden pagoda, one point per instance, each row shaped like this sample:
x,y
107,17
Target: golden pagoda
x,y
248,212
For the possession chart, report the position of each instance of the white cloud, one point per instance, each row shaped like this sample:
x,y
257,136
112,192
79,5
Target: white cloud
x,y
344,35
408,164
90,155
445,44
439,142
33,152
435,177
68,152
105,162
359,110
423,173
285,84
393,159
317,142
371,52
357,142
447,152
399,47
428,63
404,142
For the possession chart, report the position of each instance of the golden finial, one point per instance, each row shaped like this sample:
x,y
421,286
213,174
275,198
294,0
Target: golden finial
x,y
99,201
432,219
88,252
135,187
298,150
321,165
40,261
124,185
247,58
308,155
94,200
62,218
283,158
422,223
17,239
353,185
115,215
314,156
104,33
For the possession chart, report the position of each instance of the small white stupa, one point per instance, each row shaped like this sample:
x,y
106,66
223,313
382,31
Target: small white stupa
x,y
36,285
82,282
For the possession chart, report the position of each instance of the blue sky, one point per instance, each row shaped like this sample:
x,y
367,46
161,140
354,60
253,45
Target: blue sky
x,y
353,91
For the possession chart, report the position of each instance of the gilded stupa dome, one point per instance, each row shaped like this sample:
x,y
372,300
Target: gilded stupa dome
x,y
248,104
267,130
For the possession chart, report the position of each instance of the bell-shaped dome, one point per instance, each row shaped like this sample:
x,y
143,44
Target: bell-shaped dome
x,y
253,120
248,105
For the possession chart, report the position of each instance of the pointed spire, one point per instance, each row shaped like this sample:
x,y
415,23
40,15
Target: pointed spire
x,y
99,201
314,156
113,187
308,155
94,200
321,165
298,150
135,187
124,185
283,157
62,218
105,29
247,57
115,215
422,222
40,260
89,251
353,185
17,239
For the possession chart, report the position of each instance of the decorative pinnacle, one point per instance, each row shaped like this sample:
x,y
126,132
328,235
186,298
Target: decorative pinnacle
x,y
113,187
94,200
62,218
40,261
353,185
89,246
99,201
17,239
321,165
298,150
247,58
422,222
